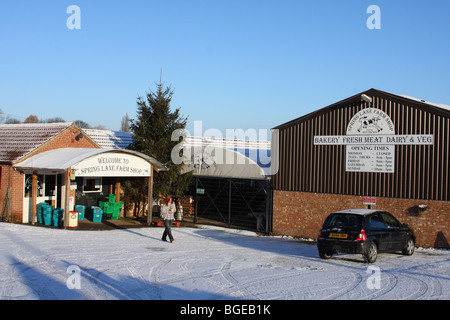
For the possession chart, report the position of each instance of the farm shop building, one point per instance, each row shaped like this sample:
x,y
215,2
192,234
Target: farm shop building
x,y
37,162
392,148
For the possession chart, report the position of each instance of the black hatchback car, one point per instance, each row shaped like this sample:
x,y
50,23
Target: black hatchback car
x,y
364,231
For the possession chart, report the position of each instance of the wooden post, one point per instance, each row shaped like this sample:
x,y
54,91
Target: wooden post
x,y
150,197
34,186
117,191
66,199
196,200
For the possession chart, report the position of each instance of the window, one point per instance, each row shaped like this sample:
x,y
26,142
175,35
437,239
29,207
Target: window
x,y
92,185
343,220
391,221
50,185
376,221
29,185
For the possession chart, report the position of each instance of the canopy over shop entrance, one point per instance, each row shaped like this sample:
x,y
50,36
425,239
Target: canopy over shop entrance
x,y
87,162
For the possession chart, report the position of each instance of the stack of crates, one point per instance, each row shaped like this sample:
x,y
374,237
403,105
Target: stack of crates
x,y
111,207
39,211
57,217
47,214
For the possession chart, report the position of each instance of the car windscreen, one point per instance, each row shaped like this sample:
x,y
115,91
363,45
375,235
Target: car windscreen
x,y
343,220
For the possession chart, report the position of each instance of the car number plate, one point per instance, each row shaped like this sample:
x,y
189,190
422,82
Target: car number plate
x,y
339,235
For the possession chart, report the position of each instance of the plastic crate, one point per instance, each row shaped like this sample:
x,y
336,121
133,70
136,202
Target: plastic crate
x,y
81,211
97,214
107,207
111,198
117,210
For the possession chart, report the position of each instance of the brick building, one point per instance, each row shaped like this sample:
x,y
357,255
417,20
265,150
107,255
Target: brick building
x,y
62,165
393,148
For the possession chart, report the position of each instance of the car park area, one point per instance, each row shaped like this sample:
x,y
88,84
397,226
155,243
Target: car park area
x,y
204,263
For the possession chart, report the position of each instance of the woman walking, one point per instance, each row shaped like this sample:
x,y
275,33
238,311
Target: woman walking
x,y
168,210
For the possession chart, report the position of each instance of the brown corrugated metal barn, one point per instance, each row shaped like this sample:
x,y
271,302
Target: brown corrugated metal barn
x,y
392,148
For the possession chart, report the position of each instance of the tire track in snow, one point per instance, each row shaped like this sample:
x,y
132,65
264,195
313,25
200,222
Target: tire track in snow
x,y
386,289
242,288
154,277
236,286
147,288
357,280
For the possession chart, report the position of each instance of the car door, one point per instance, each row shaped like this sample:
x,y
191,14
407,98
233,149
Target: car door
x,y
379,230
395,231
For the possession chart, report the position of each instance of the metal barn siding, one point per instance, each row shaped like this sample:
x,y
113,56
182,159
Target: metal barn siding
x,y
421,171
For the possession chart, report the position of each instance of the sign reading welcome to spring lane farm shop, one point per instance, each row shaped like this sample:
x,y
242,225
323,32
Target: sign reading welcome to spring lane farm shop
x,y
113,165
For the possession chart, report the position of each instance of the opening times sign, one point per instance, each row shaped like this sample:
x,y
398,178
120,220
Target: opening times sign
x,y
360,158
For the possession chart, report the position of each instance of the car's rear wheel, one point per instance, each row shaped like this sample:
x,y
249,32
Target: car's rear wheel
x,y
325,254
410,246
372,253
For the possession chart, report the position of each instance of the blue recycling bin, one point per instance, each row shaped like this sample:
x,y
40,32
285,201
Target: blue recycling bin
x,y
81,211
57,217
47,215
97,214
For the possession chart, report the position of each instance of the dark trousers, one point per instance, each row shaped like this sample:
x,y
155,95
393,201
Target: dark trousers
x,y
167,230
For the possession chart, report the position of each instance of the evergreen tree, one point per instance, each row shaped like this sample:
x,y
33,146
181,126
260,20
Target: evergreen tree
x,y
152,132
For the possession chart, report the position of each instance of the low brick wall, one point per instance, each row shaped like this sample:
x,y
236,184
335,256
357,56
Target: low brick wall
x,y
301,214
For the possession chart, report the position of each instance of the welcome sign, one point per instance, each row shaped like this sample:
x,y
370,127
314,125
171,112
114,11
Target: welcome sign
x,y
112,164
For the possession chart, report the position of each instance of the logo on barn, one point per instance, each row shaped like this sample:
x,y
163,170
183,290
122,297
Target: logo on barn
x,y
370,121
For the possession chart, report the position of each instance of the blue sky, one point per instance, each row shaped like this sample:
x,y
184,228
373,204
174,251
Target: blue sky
x,y
232,64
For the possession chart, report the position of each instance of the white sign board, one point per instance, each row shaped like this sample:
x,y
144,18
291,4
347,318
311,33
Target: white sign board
x,y
370,142
406,139
361,158
112,164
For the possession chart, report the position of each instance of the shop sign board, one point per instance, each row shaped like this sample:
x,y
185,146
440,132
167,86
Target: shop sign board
x,y
112,164
370,142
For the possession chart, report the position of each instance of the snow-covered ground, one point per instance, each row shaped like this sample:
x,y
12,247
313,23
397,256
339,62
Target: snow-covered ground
x,y
203,263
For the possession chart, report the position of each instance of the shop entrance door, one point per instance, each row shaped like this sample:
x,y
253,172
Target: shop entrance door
x,y
47,191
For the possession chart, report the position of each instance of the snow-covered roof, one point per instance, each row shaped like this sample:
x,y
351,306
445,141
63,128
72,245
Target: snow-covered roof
x,y
251,157
358,211
439,105
61,159
228,143
17,140
220,162
110,139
